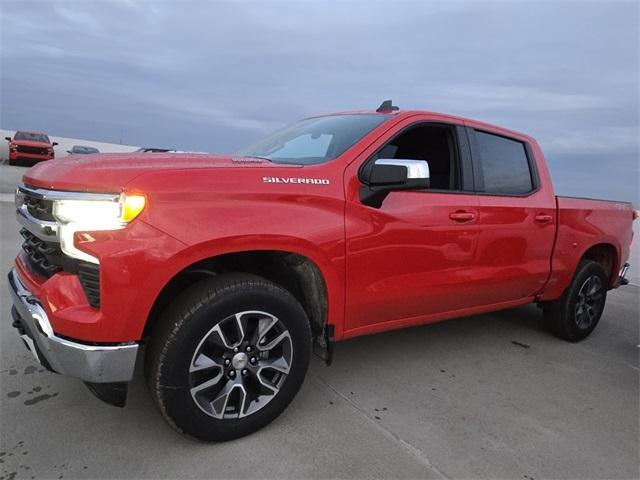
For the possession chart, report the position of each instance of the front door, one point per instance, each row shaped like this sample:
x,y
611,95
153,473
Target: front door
x,y
411,258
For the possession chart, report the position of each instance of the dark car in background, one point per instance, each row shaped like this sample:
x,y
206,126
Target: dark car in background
x,y
152,150
82,150
29,148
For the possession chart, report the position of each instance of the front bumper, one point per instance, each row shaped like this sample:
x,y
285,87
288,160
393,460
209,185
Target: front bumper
x,y
29,157
90,363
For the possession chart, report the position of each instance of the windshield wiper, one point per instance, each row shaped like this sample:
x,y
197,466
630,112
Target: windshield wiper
x,y
258,157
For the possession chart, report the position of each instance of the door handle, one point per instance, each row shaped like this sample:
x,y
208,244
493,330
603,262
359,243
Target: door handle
x,y
542,218
462,216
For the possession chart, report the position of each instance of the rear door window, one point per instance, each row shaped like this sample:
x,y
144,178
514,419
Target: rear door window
x,y
505,165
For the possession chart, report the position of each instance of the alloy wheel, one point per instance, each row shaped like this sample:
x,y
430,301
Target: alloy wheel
x,y
240,364
589,304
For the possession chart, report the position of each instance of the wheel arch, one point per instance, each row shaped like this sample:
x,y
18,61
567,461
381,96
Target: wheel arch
x,y
605,254
295,272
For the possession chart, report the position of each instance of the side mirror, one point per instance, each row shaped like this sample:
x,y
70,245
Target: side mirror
x,y
54,143
69,151
387,175
399,174
8,139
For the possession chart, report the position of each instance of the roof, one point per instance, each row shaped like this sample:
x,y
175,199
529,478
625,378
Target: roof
x,y
445,117
32,131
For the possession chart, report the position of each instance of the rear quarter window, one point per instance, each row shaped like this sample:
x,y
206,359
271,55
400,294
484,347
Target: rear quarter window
x,y
505,166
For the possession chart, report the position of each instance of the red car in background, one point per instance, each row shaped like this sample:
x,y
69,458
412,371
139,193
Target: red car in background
x,y
28,148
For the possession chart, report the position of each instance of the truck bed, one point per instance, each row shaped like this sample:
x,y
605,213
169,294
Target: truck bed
x,y
587,224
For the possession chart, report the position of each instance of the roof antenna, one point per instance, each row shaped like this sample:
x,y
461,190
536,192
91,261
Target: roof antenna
x,y
387,106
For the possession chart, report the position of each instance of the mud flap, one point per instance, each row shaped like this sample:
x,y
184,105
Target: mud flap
x,y
323,345
112,393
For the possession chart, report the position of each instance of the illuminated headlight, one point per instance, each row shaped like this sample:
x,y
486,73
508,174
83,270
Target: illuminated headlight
x,y
76,215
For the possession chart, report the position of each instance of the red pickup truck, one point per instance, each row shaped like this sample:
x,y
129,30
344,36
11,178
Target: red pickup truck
x,y
231,269
30,147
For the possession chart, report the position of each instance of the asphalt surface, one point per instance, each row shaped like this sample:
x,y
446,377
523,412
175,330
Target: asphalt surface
x,y
490,396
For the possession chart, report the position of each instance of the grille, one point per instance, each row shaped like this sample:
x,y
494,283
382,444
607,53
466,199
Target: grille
x,y
36,150
39,208
30,160
45,258
89,275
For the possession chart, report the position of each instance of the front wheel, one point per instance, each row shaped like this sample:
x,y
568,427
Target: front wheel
x,y
575,315
229,356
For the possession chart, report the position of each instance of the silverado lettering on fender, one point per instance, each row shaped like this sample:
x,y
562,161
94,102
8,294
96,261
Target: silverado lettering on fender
x,y
231,269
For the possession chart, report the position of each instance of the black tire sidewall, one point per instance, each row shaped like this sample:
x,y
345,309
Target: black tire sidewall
x,y
569,327
171,370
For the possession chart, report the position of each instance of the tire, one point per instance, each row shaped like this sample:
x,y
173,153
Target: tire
x,y
575,315
191,356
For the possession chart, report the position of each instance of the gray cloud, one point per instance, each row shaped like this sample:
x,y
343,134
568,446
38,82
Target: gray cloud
x,y
216,75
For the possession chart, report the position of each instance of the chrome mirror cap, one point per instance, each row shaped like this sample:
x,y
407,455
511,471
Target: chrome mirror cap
x,y
416,169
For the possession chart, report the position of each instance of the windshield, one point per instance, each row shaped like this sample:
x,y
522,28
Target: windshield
x,y
315,140
31,137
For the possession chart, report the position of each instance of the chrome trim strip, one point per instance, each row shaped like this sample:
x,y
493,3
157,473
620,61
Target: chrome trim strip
x,y
90,363
44,194
47,231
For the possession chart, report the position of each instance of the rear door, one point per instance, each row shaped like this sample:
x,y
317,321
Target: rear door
x,y
517,216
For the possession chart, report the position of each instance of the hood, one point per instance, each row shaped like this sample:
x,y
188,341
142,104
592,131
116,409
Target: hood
x,y
109,173
30,143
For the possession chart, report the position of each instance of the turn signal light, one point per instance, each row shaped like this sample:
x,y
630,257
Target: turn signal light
x,y
132,205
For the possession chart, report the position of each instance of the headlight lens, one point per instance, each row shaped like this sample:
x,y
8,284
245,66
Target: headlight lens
x,y
87,212
99,214
75,215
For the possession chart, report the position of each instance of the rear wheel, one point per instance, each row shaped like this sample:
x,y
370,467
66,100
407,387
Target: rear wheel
x,y
228,357
575,315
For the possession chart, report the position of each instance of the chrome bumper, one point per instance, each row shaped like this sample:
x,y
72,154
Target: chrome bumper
x,y
90,363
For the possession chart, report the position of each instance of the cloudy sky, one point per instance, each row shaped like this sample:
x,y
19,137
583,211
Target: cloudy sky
x,y
216,75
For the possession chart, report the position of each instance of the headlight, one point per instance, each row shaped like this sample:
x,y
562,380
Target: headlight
x,y
76,215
